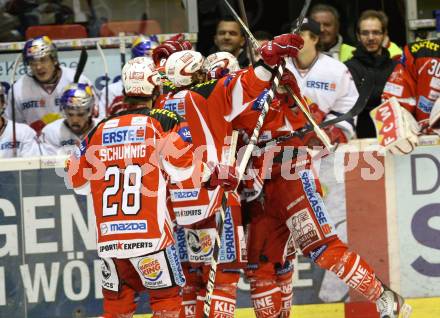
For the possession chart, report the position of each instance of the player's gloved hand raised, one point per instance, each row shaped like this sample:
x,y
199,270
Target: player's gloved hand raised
x,y
288,79
174,44
222,175
281,46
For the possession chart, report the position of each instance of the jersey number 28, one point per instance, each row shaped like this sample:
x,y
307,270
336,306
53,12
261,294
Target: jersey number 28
x,y
131,190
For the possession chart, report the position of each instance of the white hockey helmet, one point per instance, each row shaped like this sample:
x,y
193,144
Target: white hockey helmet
x,y
140,77
181,66
434,117
223,60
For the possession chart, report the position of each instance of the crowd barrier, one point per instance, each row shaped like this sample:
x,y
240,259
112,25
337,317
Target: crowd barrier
x,y
386,207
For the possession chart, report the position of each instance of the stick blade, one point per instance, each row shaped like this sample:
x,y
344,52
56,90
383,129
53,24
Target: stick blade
x,y
81,64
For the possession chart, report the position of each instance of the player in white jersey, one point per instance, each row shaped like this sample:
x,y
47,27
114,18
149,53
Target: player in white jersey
x,y
141,46
61,136
325,80
25,142
37,93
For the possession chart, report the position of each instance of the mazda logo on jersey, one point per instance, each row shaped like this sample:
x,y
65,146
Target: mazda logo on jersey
x,y
150,269
123,135
118,227
326,86
185,195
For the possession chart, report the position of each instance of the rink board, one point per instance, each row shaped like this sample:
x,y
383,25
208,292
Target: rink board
x,y
422,308
48,253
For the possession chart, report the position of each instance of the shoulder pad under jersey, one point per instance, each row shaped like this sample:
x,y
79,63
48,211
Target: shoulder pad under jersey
x,y
205,89
168,87
425,48
167,119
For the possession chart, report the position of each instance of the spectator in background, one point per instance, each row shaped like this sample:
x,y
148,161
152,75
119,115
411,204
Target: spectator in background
x,y
229,38
31,12
331,40
326,81
22,143
37,93
371,62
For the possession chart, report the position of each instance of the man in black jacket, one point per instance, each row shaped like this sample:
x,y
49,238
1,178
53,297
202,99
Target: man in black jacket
x,y
370,62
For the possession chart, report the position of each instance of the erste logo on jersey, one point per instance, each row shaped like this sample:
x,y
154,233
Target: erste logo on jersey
x,y
176,105
326,86
123,135
9,145
150,269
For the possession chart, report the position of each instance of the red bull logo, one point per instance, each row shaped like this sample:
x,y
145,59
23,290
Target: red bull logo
x,y
150,269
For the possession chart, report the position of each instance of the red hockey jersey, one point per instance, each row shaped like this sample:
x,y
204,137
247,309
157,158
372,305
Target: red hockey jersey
x,y
209,109
127,162
415,82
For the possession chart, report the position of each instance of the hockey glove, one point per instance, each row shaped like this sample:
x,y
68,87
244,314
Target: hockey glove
x,y
281,46
396,128
288,79
335,134
222,175
163,51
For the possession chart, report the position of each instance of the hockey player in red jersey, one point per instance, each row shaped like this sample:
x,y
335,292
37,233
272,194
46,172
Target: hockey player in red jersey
x,y
209,108
292,213
127,162
133,96
415,81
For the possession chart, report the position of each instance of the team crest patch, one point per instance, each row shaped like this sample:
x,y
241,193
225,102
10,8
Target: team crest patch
x,y
185,134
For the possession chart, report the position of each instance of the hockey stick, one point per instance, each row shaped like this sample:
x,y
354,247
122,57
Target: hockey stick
x,y
219,231
81,64
104,61
122,48
246,22
14,130
270,94
319,132
361,102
